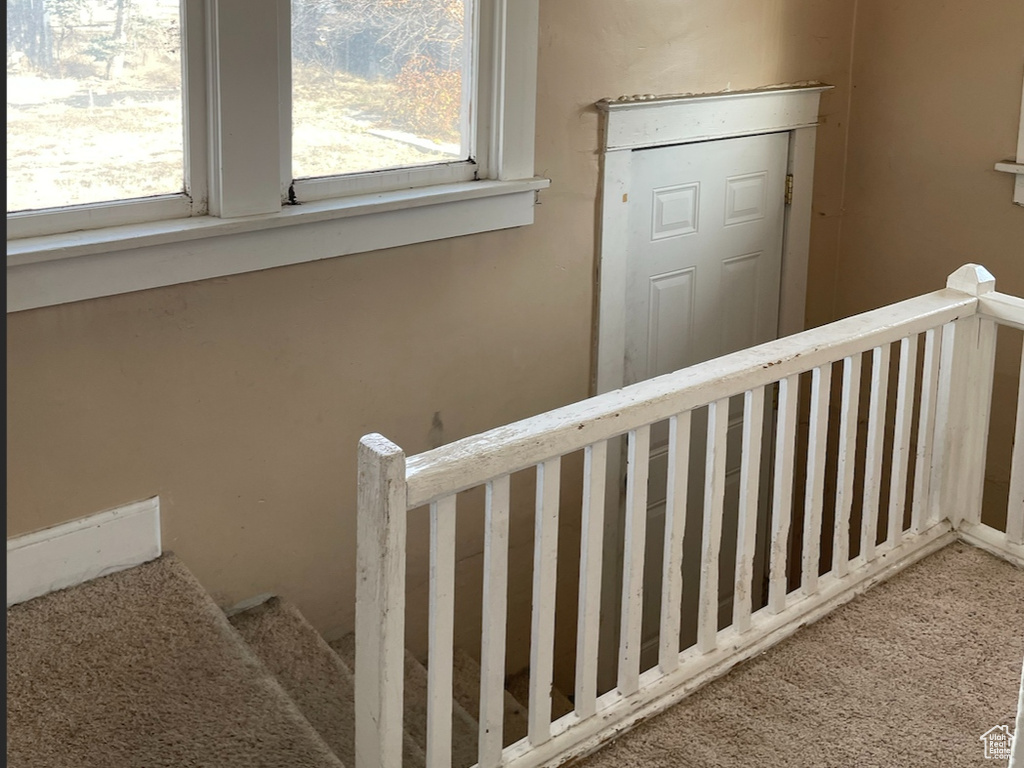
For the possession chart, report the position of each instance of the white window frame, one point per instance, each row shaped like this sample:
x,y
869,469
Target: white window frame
x,y
234,216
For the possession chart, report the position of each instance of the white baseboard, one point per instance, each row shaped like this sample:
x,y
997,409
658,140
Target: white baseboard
x,y
84,549
992,541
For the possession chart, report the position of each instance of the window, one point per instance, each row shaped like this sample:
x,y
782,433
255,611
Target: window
x,y
306,129
379,85
94,109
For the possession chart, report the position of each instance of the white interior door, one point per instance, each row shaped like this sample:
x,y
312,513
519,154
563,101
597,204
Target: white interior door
x,y
706,223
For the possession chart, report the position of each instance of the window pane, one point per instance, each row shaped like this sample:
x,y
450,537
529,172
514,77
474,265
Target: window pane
x,y
377,84
93,101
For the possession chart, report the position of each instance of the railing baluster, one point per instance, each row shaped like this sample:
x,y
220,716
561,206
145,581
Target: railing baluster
x,y
965,403
492,641
746,526
1015,507
639,452
978,404
846,465
901,438
595,463
782,495
442,633
925,431
711,541
545,573
821,385
946,423
873,458
675,529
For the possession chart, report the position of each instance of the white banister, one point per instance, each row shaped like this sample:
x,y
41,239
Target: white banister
x,y
1003,308
873,456
956,375
979,385
1017,750
846,464
821,385
782,495
1015,505
634,540
595,464
711,537
441,637
920,513
946,422
901,437
746,526
545,573
494,618
676,486
966,368
380,603
472,461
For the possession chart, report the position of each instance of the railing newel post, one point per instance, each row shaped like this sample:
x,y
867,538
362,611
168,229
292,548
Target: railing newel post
x,y
380,603
966,369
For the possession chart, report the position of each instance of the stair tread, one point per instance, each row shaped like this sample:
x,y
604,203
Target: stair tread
x,y
310,672
519,686
141,668
464,725
466,684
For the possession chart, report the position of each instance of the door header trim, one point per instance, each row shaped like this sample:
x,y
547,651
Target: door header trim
x,y
639,122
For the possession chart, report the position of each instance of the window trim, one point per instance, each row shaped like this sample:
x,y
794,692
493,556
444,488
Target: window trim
x,y
134,245
1016,167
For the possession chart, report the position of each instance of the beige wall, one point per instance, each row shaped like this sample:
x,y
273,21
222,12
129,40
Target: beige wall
x,y
936,102
240,400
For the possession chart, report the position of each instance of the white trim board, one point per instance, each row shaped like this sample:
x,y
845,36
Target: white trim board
x,y
57,269
81,550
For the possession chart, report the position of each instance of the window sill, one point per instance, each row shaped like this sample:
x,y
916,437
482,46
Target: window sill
x,y
1017,169
57,269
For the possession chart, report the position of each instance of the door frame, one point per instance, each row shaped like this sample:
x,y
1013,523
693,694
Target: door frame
x,y
644,122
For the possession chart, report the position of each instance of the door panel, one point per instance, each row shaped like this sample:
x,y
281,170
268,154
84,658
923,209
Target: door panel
x,y
704,269
705,251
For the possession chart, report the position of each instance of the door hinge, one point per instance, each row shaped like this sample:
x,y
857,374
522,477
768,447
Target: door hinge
x,y
789,189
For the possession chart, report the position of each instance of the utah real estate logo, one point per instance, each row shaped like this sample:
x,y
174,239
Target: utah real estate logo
x,y
998,742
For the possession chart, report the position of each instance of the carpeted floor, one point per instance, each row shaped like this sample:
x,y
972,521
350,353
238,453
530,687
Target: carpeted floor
x,y
910,674
141,669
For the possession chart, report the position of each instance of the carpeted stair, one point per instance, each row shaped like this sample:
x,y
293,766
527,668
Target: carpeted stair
x,y
141,668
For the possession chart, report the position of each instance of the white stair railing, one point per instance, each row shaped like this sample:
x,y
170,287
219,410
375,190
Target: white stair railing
x,y
1017,748
949,426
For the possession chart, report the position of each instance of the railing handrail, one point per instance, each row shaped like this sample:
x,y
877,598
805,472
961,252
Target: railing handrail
x,y
474,460
1003,308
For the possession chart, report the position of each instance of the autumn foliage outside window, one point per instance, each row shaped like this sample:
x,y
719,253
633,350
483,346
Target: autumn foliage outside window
x,y
377,84
94,108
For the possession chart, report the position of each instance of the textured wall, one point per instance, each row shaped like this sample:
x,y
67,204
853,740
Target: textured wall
x,y
936,102
240,400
